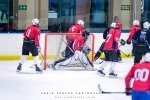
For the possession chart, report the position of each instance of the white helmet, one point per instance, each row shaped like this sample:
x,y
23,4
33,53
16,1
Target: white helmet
x,y
146,25
113,25
81,23
35,21
136,22
147,57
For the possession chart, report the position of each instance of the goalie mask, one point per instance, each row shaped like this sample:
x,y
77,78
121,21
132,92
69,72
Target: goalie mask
x,y
85,35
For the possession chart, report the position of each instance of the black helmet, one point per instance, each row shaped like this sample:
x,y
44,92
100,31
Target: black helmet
x,y
85,34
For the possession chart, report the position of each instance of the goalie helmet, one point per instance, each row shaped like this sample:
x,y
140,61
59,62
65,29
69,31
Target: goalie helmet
x,y
146,25
136,22
35,22
81,23
147,57
85,34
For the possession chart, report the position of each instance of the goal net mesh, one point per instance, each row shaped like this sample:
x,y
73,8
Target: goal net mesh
x,y
55,45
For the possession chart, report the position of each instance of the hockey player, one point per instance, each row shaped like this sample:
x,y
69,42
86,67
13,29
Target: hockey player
x,y
133,30
110,50
141,84
142,40
76,28
31,45
100,51
78,53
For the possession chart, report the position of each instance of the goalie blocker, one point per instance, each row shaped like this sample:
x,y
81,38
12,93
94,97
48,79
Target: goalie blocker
x,y
79,53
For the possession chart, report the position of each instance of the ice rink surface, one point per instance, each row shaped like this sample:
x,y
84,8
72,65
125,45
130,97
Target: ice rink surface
x,y
71,83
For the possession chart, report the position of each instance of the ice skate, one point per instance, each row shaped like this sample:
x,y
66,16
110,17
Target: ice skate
x,y
38,70
19,68
101,73
112,74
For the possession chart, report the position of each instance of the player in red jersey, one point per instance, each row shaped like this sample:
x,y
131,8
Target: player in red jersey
x,y
110,50
76,28
141,84
78,53
133,30
31,44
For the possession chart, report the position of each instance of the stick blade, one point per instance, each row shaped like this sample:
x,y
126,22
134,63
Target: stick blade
x,y
99,88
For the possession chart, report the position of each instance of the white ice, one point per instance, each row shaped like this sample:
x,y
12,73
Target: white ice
x,y
27,85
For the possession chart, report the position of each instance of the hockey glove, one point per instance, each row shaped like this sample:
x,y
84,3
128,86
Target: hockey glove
x,y
38,48
86,50
128,42
122,42
128,91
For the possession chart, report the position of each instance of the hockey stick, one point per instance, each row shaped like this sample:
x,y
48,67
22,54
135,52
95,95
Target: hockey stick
x,y
45,60
103,92
125,54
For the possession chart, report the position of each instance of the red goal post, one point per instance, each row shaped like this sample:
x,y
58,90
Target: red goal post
x,y
55,44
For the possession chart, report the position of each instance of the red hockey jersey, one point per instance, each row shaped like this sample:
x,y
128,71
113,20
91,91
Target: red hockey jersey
x,y
141,75
112,39
76,28
132,31
33,33
77,42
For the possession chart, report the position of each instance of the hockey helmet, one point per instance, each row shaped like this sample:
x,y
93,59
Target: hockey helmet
x,y
146,25
35,22
85,34
136,22
81,23
118,25
113,25
147,57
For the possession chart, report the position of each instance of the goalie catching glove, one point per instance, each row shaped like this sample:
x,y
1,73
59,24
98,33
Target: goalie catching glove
x,y
86,50
122,42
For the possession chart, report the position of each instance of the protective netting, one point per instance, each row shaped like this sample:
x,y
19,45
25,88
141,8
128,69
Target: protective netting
x,y
55,45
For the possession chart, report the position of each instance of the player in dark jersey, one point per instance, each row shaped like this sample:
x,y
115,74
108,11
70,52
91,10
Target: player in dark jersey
x,y
142,40
133,30
110,50
141,75
31,45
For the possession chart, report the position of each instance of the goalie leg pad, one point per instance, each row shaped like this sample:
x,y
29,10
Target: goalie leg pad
x,y
83,59
64,62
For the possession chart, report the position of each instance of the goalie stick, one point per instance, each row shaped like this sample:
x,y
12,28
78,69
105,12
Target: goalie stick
x,y
104,92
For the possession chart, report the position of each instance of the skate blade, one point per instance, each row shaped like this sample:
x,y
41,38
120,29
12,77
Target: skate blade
x,y
101,74
110,76
39,72
18,70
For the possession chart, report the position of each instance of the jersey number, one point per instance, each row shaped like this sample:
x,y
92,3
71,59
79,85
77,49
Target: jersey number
x,y
72,28
141,74
28,32
108,37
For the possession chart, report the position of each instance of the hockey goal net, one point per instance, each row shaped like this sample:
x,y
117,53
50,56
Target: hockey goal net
x,y
55,44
